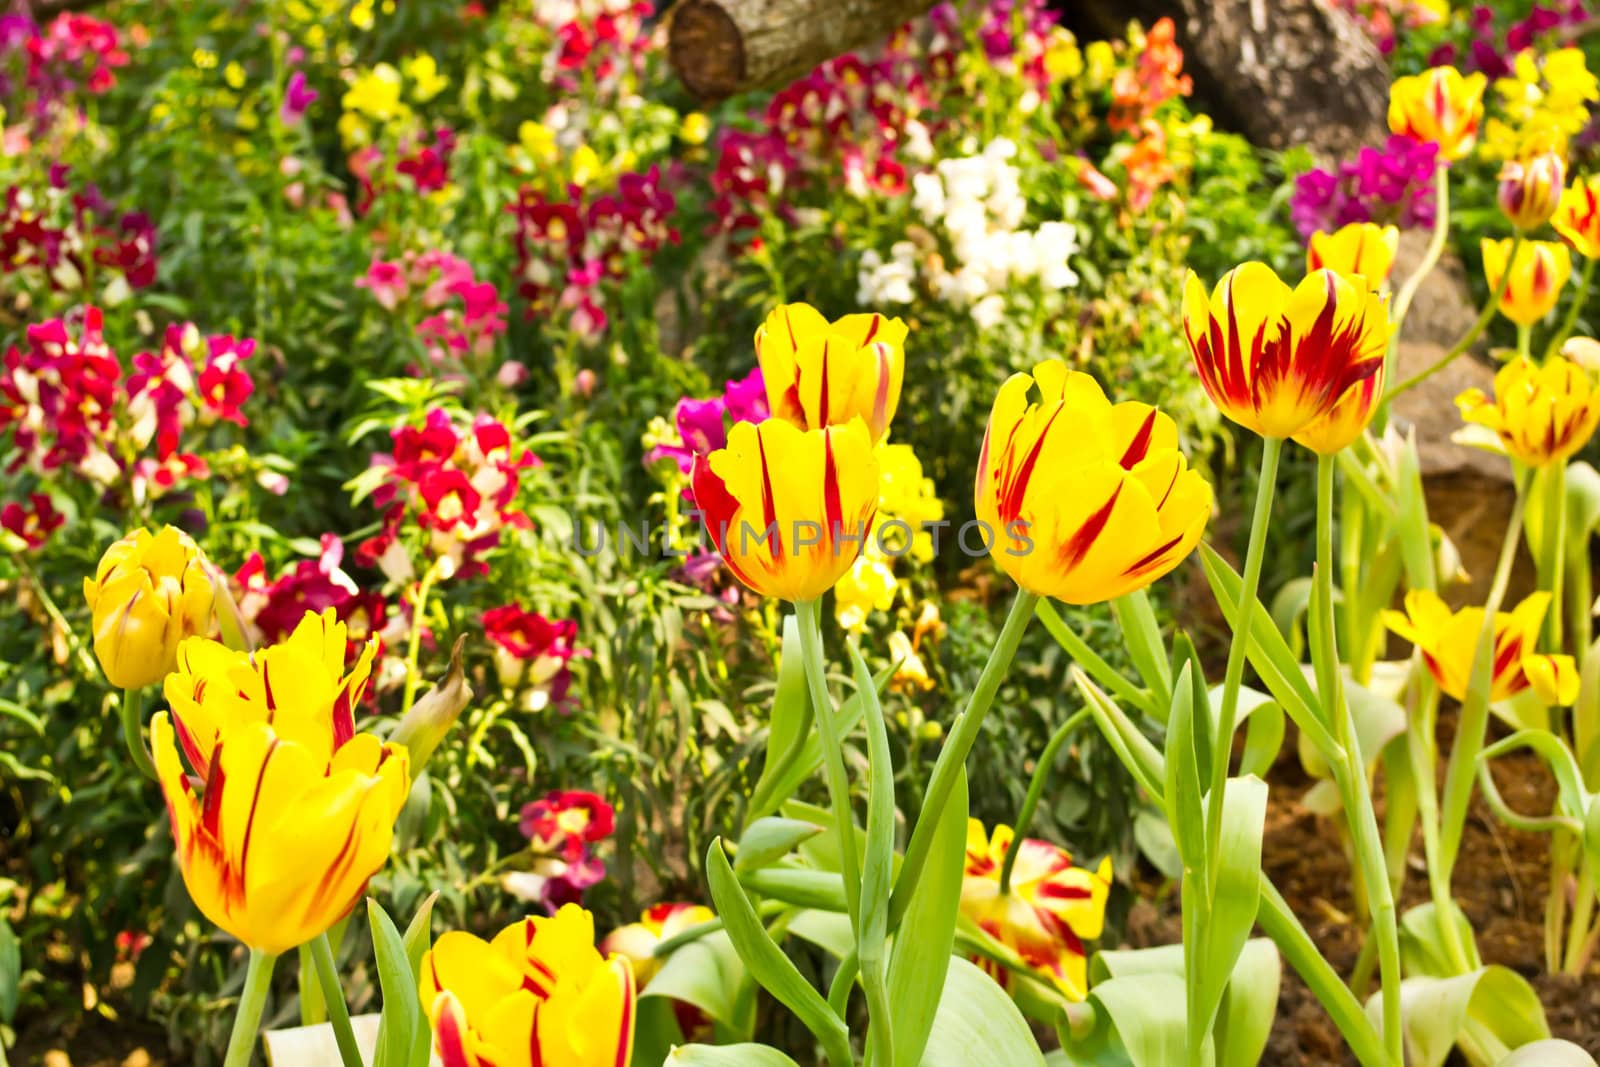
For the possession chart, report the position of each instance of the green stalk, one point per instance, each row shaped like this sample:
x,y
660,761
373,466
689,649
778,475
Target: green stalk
x,y
1423,745
1563,847
1355,794
131,708
1278,922
1582,917
1087,658
1553,549
1041,778
1430,258
333,996
247,1018
953,756
1571,320
1271,452
1474,721
1485,317
1524,336
419,606
810,618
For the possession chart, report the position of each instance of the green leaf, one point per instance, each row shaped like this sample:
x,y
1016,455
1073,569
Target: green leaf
x,y
1572,802
977,1023
828,930
1186,813
1378,721
10,972
728,1056
1136,1021
1142,759
877,869
1488,1012
1586,719
1422,945
707,973
769,839
790,726
1550,1053
1278,667
1237,894
1141,635
402,1010
800,886
767,963
920,959
418,939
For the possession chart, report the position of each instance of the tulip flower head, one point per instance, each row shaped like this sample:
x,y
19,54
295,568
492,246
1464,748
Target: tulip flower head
x,y
1339,428
1052,907
1363,248
637,941
1540,415
820,373
1577,216
1537,275
299,687
1448,641
148,594
1530,189
538,995
789,509
1275,360
283,838
1439,105
1086,500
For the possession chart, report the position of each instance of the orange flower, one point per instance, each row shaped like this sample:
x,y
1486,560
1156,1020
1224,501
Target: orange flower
x,y
1276,360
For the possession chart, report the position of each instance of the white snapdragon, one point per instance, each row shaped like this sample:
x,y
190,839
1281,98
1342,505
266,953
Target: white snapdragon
x,y
880,281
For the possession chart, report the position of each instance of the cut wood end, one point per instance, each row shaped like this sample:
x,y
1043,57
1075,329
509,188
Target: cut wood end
x,y
706,49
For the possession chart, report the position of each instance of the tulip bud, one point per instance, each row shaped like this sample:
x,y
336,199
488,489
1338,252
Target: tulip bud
x,y
149,592
1530,189
431,717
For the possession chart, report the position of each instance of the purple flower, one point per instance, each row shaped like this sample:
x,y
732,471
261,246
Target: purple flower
x,y
297,97
700,425
1394,185
746,398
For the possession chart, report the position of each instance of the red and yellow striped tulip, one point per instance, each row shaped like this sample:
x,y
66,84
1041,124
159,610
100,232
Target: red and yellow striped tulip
x,y
637,941
1537,275
538,995
1439,105
820,373
1339,428
149,592
789,509
1275,360
1577,216
1448,641
1052,907
299,686
1541,415
1084,500
283,838
1530,189
1363,248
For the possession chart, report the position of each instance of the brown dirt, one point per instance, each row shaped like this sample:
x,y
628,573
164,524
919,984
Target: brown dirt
x,y
1500,883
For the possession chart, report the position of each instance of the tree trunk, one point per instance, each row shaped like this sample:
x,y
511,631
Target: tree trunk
x,y
723,47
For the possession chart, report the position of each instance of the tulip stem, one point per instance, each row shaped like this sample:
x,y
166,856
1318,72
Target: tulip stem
x,y
1041,778
131,709
1356,796
1430,258
1486,316
1474,721
953,755
1271,452
333,997
247,1018
1524,336
419,603
1570,321
1553,549
810,618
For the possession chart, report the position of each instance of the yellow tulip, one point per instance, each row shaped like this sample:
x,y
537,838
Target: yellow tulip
x,y
1530,189
1577,216
1275,360
637,941
694,128
282,841
1339,428
867,586
538,995
1537,275
1051,910
1542,415
1363,248
789,509
149,592
820,373
1448,641
298,686
1439,105
1084,500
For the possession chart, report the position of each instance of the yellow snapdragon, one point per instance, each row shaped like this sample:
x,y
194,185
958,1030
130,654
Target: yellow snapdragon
x,y
1545,102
